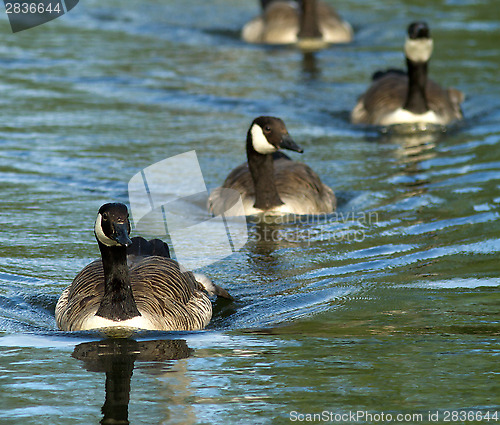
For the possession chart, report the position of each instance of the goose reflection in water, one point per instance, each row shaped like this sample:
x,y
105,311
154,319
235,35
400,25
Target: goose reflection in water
x,y
413,149
116,358
311,69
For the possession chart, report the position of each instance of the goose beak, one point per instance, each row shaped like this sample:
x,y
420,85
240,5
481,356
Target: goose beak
x,y
121,234
288,143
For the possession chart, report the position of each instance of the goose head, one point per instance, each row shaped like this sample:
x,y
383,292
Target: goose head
x,y
418,45
112,226
269,134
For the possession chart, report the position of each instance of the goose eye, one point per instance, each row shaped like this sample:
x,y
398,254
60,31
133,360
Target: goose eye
x,y
267,129
105,216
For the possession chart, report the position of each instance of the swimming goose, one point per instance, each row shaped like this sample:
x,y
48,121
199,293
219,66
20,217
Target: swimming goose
x,y
152,293
396,97
310,23
270,182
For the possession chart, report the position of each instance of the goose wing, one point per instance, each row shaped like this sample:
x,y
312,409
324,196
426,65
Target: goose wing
x,y
333,28
278,24
445,102
168,296
80,300
240,180
386,94
297,183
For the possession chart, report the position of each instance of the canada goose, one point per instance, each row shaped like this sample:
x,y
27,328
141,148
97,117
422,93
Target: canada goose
x,y
152,293
396,97
270,182
310,23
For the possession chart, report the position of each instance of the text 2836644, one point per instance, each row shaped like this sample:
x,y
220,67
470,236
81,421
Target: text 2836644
x,y
33,8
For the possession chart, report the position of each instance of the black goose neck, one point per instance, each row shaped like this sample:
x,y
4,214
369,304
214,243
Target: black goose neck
x,y
309,27
262,171
118,301
416,100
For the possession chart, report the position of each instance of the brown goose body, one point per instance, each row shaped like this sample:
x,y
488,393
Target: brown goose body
x,y
167,299
389,92
398,97
299,187
286,22
141,288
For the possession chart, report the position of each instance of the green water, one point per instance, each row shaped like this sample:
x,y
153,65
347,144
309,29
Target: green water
x,y
389,307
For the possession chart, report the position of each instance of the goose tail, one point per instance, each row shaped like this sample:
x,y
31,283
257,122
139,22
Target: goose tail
x,y
210,287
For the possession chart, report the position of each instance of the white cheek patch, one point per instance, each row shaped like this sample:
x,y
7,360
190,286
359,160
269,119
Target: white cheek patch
x,y
100,233
419,50
259,141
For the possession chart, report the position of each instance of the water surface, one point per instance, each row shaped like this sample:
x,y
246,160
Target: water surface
x,y
391,305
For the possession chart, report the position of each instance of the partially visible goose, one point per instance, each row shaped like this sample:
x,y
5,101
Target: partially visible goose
x,y
270,182
396,97
152,293
310,23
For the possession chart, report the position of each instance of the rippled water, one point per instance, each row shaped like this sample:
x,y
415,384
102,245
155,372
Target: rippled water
x,y
389,305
